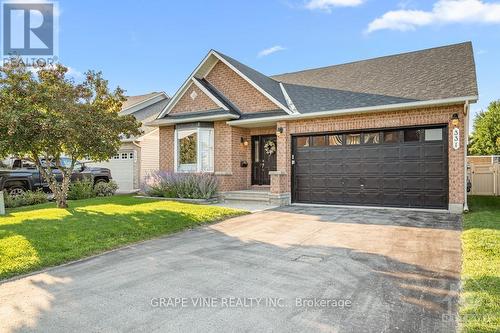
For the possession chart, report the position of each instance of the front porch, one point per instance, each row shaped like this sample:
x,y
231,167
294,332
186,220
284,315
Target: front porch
x,y
254,176
256,194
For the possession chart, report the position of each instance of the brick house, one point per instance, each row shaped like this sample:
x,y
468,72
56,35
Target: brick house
x,y
388,131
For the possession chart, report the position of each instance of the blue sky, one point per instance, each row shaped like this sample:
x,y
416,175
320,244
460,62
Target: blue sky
x,y
148,46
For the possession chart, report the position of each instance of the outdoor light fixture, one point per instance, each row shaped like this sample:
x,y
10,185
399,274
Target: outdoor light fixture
x,y
244,141
279,131
454,119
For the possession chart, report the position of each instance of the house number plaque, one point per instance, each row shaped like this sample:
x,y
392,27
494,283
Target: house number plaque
x,y
456,138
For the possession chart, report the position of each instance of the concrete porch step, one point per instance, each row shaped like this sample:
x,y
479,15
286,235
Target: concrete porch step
x,y
246,195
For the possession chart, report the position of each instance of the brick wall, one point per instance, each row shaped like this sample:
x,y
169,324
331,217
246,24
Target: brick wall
x,y
167,148
238,90
427,116
200,103
229,151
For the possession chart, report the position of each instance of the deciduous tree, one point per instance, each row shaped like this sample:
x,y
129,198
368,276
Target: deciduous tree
x,y
46,116
485,139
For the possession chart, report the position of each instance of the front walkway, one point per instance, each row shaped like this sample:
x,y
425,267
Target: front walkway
x,y
313,269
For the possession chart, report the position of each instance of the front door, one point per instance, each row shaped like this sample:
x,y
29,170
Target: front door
x,y
263,158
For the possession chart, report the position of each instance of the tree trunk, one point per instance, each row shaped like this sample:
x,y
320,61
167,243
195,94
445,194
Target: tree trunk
x,y
60,191
64,188
61,201
59,195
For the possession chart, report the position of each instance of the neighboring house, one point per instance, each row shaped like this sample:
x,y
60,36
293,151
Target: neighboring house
x,y
137,155
388,131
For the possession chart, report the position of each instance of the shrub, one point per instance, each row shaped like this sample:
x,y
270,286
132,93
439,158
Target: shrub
x,y
158,184
180,185
103,189
81,189
26,199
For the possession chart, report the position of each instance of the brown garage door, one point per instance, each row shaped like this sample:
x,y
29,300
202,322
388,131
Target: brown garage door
x,y
394,168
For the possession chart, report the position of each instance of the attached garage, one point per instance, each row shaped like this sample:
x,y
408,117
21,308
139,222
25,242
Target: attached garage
x,y
402,167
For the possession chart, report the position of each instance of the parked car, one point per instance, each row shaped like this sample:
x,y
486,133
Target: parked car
x,y
25,176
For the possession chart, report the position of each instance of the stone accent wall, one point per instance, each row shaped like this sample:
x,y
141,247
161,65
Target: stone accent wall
x,y
201,103
424,116
238,90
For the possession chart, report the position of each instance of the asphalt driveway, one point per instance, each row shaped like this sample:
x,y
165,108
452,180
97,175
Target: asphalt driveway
x,y
289,269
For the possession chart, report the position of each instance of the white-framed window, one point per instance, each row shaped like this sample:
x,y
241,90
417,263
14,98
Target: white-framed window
x,y
194,149
124,156
116,157
131,155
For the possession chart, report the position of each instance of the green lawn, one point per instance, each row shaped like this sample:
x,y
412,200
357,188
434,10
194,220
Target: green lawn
x,y
480,303
39,236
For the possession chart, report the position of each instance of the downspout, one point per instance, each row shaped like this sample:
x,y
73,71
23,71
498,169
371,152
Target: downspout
x,y
466,142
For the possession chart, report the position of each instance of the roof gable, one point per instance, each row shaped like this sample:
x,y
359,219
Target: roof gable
x,y
239,91
194,99
260,83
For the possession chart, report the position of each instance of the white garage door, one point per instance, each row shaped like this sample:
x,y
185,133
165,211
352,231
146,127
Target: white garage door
x,y
122,170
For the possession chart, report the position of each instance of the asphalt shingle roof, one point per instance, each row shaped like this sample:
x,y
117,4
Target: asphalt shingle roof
x,y
311,99
437,73
132,100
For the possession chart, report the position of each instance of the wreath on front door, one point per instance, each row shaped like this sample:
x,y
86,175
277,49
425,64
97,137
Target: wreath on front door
x,y
270,147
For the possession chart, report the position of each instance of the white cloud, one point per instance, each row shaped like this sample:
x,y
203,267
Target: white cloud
x,y
270,50
75,74
443,12
327,5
